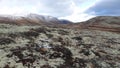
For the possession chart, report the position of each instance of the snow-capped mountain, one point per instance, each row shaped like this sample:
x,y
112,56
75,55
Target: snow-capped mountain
x,y
31,19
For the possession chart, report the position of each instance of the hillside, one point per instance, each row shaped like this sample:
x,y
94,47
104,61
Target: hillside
x,y
103,23
31,19
107,23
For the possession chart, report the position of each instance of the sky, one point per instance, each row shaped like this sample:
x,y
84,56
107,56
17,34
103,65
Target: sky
x,y
73,10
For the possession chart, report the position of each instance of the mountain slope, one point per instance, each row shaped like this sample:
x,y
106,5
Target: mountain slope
x,y
103,23
107,21
31,19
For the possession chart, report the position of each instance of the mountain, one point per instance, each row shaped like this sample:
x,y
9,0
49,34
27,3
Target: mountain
x,y
31,19
103,23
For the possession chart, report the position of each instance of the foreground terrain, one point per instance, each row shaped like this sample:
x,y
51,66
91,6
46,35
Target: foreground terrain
x,y
50,47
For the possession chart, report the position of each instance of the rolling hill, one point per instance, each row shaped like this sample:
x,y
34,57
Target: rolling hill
x,y
103,23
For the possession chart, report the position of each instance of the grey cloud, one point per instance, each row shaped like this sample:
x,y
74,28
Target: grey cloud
x,y
105,7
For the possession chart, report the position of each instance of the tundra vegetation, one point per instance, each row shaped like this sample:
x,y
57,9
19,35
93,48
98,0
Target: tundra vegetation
x,y
50,47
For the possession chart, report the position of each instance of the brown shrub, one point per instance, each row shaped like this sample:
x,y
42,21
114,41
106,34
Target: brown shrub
x,y
63,32
41,30
46,66
4,41
14,35
49,35
30,34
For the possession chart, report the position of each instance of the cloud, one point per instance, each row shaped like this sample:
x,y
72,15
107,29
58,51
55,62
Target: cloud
x,y
52,7
79,14
73,10
57,7
16,7
105,7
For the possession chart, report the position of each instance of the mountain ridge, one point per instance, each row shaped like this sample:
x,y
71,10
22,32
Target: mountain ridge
x,y
31,19
103,23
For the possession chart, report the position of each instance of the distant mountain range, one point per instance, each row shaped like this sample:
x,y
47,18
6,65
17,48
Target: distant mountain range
x,y
106,23
32,19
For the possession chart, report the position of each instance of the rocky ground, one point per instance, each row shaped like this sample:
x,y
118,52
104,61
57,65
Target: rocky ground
x,y
48,47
